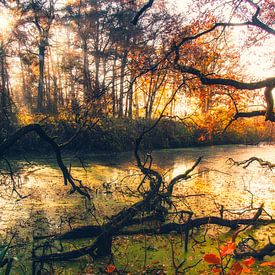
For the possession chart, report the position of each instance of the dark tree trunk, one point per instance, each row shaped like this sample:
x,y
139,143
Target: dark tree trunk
x,y
86,72
97,58
130,99
40,94
5,103
114,90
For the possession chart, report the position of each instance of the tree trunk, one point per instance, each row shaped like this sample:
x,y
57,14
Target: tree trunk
x,y
136,105
114,90
86,72
121,87
55,86
40,94
60,88
97,58
130,101
5,103
25,91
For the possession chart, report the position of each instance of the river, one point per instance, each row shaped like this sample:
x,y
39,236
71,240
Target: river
x,y
47,206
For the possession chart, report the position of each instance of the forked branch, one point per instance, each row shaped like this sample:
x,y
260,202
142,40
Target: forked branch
x,y
9,142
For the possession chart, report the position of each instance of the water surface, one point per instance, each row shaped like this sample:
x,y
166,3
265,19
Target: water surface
x,y
48,206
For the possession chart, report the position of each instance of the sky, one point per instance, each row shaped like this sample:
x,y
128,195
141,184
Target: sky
x,y
258,60
180,4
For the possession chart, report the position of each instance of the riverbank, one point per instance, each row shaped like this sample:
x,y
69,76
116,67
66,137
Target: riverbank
x,y
119,135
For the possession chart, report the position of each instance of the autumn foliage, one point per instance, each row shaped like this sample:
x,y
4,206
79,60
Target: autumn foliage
x,y
220,263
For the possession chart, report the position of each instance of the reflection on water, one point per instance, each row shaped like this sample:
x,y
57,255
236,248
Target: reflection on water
x,y
215,181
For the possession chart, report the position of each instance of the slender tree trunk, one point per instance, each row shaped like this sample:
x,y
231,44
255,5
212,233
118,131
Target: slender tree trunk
x,y
40,94
5,102
151,104
136,105
130,98
55,86
26,92
104,71
114,90
3,84
49,102
121,87
86,73
97,58
126,103
148,99
60,88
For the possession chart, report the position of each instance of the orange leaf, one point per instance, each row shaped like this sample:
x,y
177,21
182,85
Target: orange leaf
x,y
110,268
236,269
248,262
246,270
216,270
227,249
212,259
268,264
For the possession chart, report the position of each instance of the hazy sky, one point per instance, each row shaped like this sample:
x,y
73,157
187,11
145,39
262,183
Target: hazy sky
x,y
181,3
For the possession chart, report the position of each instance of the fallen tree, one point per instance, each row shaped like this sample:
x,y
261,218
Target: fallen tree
x,y
155,206
157,200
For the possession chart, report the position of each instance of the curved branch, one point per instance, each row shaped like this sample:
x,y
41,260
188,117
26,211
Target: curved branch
x,y
268,84
6,144
141,11
181,177
247,162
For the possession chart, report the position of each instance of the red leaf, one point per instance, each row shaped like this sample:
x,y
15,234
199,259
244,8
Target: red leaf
x,y
212,259
236,269
268,264
110,268
227,249
248,262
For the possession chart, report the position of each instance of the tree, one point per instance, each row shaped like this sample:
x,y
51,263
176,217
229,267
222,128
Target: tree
x,y
38,16
170,62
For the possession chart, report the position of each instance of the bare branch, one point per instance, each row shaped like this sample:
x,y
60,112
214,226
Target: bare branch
x,y
247,162
4,147
141,11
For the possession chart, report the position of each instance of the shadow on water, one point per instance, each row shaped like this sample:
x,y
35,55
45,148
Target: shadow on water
x,y
48,208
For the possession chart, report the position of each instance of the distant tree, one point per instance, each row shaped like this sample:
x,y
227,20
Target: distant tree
x,y
37,17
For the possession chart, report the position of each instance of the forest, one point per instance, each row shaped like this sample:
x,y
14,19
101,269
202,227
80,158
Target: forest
x,y
136,137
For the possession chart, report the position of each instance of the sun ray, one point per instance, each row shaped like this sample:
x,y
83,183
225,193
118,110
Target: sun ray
x,y
6,24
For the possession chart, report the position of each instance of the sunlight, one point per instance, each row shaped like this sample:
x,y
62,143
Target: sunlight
x,y
6,21
256,59
262,64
